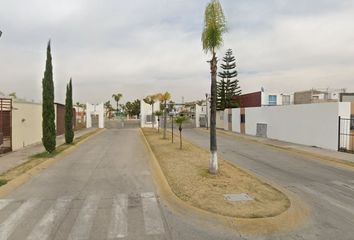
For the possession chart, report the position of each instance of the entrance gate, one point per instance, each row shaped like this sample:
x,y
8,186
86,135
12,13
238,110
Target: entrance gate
x,y
346,135
5,125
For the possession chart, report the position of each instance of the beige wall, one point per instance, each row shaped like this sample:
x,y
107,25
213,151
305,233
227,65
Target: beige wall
x,y
26,124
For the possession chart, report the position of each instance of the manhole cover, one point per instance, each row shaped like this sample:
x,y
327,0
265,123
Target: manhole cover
x,y
237,197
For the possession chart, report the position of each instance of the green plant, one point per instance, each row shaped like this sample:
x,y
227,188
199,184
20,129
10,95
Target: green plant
x,y
117,98
214,28
3,182
48,114
179,120
158,114
228,86
164,97
69,132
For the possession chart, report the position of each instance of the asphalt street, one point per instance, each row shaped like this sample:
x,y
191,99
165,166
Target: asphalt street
x,y
327,189
101,190
104,190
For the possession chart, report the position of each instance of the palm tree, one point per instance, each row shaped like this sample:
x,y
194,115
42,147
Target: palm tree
x,y
158,114
116,98
180,120
214,27
108,107
151,101
164,97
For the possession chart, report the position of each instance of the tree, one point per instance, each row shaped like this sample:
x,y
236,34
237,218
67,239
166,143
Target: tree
x,y
180,120
228,86
109,108
136,108
158,114
133,108
151,99
13,94
69,132
117,98
164,97
214,28
48,114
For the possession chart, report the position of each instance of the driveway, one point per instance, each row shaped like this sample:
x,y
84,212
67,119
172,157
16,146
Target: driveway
x,y
329,190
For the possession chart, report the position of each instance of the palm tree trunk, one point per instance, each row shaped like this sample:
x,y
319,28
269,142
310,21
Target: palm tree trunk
x,y
164,121
213,164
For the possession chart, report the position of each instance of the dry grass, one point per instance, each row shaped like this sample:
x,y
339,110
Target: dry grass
x,y
187,174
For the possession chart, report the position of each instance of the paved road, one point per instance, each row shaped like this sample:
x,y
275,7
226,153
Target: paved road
x,y
15,158
102,190
327,189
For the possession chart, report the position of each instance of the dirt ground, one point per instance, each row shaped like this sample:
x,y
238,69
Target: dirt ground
x,y
186,171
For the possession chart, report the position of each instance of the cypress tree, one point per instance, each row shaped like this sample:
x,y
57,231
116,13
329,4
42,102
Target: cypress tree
x,y
69,132
228,86
48,114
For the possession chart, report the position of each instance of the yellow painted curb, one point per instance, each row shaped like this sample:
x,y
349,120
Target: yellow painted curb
x,y
294,217
24,177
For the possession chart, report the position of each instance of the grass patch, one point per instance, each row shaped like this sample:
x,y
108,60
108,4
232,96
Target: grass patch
x,y
39,158
187,173
3,182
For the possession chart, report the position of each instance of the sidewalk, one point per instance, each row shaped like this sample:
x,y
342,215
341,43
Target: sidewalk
x,y
15,158
298,148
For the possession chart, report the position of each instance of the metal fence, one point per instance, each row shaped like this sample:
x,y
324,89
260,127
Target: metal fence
x,y
5,125
346,134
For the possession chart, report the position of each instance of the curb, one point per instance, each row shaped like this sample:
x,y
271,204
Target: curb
x,y
290,219
24,177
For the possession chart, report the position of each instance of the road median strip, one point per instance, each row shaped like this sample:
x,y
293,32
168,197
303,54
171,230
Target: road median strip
x,y
16,176
185,174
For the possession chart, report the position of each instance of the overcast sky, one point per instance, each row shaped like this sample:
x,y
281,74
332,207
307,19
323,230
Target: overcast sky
x,y
142,47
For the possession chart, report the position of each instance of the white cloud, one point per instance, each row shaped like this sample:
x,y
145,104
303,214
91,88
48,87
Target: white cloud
x,y
142,47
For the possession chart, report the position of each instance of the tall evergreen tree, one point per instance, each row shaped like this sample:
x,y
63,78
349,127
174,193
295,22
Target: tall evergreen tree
x,y
228,86
69,132
48,114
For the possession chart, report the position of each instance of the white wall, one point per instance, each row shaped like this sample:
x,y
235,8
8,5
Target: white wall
x,y
26,124
236,120
265,98
220,119
146,109
96,109
308,124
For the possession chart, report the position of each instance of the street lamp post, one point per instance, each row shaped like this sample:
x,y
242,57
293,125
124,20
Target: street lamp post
x,y
172,113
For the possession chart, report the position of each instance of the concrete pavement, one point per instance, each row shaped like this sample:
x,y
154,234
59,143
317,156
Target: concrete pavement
x,y
329,190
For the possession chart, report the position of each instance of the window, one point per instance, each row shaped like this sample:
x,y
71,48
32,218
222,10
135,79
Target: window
x,y
272,100
148,119
286,99
243,118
